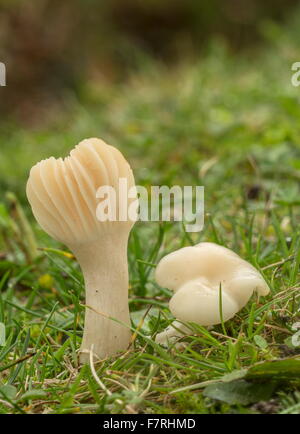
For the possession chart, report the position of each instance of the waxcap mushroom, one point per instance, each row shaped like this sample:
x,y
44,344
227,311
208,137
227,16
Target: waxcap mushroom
x,y
197,273
63,197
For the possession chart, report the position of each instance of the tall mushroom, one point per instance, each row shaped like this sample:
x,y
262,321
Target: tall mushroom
x,y
63,197
196,275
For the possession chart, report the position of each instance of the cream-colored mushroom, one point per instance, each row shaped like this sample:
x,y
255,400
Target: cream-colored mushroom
x,y
196,275
63,197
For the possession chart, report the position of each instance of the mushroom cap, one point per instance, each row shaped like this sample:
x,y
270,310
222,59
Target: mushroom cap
x,y
196,275
199,303
62,192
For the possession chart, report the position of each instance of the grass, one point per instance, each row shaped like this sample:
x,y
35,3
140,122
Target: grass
x,y
228,122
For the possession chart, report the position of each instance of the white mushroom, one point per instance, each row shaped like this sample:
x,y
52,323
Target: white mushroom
x,y
63,197
196,275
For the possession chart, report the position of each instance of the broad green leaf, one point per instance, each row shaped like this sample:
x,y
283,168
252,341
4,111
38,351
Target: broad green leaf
x,y
237,387
33,394
239,392
9,392
285,369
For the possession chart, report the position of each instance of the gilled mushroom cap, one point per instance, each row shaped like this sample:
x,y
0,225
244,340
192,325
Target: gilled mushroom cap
x,y
196,274
62,192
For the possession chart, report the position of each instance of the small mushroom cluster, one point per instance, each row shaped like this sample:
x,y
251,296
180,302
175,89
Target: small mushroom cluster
x,y
63,197
204,278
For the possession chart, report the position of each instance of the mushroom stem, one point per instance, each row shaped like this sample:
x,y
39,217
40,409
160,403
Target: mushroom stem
x,y
105,270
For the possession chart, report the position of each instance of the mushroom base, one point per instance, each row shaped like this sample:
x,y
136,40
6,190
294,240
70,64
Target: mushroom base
x,y
107,320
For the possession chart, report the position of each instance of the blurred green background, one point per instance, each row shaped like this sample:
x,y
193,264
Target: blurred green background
x,y
173,84
52,48
144,75
193,93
